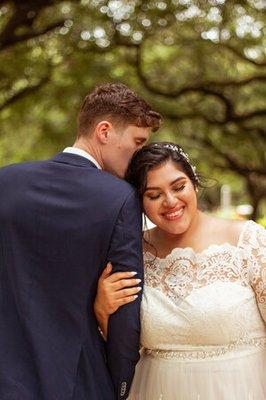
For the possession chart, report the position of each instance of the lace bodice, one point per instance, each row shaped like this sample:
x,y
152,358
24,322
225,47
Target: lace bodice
x,y
213,298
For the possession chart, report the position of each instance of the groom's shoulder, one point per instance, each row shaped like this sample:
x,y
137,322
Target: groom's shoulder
x,y
16,167
114,183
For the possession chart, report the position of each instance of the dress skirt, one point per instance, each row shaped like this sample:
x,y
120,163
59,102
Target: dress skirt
x,y
237,375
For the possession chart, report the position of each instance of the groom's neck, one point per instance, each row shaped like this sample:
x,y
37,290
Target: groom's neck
x,y
90,148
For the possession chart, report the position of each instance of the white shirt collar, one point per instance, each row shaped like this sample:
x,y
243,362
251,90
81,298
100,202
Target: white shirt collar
x,y
82,153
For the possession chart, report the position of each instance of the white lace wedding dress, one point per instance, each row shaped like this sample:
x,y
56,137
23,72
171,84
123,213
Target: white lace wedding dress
x,y
204,323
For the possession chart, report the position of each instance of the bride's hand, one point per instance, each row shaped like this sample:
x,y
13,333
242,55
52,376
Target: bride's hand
x,y
115,290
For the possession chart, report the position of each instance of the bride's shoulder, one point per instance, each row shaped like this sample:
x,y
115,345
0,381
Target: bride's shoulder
x,y
229,230
243,234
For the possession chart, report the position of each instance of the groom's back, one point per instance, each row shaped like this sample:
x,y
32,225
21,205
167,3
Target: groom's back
x,y
56,224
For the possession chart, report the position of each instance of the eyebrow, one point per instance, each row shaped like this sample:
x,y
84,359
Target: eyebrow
x,y
172,183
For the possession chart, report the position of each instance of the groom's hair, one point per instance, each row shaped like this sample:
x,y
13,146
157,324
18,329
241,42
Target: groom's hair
x,y
118,104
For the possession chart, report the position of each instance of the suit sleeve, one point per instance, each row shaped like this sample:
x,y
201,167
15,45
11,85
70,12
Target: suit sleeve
x,y
125,253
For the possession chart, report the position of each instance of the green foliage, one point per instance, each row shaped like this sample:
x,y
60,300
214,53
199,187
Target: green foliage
x,y
200,63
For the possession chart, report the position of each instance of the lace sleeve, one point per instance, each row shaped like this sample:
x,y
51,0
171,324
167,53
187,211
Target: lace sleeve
x,y
255,243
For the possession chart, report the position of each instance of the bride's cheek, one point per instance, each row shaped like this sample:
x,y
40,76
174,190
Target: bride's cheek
x,y
150,211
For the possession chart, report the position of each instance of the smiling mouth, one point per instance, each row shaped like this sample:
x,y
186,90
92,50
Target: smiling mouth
x,y
174,215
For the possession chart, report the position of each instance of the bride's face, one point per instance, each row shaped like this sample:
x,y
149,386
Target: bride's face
x,y
170,200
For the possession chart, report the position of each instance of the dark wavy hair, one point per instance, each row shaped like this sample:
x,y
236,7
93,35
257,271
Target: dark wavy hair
x,y
154,155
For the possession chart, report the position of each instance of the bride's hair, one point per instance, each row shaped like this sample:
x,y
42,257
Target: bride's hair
x,y
153,155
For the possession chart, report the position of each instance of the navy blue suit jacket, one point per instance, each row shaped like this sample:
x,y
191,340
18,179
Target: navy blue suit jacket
x,y
61,220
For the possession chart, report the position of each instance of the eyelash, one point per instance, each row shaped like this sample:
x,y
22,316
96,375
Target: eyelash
x,y
179,189
154,198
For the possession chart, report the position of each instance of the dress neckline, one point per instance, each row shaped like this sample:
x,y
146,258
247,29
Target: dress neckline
x,y
212,246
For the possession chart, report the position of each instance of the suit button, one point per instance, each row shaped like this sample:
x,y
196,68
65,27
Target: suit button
x,y
123,389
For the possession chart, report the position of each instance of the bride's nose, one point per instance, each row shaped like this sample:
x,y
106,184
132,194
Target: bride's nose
x,y
170,200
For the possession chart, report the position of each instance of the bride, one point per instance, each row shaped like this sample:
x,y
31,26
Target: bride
x,y
204,300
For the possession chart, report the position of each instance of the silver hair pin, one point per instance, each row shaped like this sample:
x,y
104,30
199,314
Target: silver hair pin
x,y
180,151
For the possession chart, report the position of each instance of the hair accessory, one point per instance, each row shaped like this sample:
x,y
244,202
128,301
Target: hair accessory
x,y
194,169
174,148
180,151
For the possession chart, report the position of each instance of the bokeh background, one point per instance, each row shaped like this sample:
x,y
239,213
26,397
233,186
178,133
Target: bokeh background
x,y
201,64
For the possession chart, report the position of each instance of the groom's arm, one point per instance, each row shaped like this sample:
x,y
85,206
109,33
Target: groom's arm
x,y
124,326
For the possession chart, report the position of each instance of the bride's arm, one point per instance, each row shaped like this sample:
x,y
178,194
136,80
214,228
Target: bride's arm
x,y
114,291
257,261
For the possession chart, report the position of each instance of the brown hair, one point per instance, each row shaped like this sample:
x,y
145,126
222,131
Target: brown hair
x,y
119,104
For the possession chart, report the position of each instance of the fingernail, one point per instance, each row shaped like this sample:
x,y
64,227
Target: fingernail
x,y
138,280
135,297
138,288
133,273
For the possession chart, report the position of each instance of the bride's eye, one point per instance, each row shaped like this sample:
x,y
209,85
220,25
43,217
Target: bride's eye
x,y
153,197
179,188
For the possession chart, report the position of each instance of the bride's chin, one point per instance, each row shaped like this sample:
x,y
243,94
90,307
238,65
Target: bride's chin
x,y
175,231
173,228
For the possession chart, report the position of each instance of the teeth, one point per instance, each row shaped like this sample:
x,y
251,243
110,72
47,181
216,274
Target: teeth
x,y
175,214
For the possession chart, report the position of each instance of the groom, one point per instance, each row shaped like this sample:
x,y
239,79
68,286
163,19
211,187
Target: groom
x,y
61,221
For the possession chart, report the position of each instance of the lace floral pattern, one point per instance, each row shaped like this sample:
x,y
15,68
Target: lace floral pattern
x,y
183,270
253,240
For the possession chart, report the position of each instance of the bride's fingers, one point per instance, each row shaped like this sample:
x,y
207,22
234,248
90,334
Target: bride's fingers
x,y
117,276
120,294
107,271
126,300
125,283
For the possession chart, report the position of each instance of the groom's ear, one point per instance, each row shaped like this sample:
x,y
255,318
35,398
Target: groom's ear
x,y
103,130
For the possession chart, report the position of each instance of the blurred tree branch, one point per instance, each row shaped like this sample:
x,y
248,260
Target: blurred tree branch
x,y
22,93
24,14
203,88
201,65
241,55
255,178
